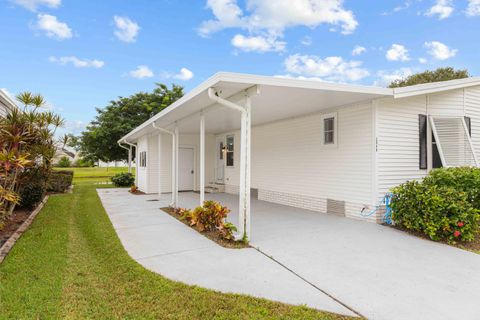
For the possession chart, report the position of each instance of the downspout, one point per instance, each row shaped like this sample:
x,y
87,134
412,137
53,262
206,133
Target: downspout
x,y
172,204
243,204
129,155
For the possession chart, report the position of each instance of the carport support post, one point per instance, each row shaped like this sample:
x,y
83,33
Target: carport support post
x,y
159,155
175,173
130,159
244,194
202,159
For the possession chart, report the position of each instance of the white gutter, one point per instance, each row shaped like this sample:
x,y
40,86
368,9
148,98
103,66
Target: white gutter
x,y
174,180
212,94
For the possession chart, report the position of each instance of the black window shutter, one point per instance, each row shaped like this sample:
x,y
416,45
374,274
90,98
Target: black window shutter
x,y
422,130
468,122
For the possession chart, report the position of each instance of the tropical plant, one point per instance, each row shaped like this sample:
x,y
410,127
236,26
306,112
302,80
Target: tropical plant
x,y
27,149
209,217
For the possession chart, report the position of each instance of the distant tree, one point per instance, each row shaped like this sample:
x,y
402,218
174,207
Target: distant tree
x,y
440,74
64,162
99,140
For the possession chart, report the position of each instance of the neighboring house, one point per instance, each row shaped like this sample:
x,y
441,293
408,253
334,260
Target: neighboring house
x,y
62,152
327,147
6,103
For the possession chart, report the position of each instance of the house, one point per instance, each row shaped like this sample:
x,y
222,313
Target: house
x,y
326,147
6,103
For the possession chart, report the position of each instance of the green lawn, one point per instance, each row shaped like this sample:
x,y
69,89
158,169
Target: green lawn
x,y
70,264
95,174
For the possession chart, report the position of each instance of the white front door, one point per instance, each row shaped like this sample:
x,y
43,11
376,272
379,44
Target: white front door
x,y
185,169
219,159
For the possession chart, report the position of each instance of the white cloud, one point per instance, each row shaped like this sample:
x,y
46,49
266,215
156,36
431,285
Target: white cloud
x,y
422,60
257,43
141,72
397,52
329,69
358,50
75,126
442,8
440,51
405,5
184,74
473,8
52,27
126,29
306,41
77,62
273,17
386,77
33,5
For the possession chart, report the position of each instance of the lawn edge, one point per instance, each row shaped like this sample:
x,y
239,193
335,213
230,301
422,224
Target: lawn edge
x,y
8,245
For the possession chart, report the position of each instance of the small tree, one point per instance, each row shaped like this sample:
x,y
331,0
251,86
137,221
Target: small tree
x,y
440,74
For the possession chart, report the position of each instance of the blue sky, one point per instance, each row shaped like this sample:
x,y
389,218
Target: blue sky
x,y
82,54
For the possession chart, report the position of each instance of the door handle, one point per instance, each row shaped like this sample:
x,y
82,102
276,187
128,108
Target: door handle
x,y
191,172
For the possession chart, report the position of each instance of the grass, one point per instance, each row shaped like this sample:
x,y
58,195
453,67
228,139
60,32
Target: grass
x,y
71,264
92,175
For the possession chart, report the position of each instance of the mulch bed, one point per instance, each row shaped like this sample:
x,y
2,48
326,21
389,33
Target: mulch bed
x,y
212,235
470,246
138,193
13,222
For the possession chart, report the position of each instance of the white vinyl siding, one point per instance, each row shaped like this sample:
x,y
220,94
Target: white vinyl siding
x,y
288,157
472,110
398,135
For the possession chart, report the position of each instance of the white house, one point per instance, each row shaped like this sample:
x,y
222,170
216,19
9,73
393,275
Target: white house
x,y
6,103
335,148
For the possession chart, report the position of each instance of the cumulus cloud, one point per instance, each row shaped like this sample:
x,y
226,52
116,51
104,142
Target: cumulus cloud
x,y
329,68
52,27
440,51
442,8
77,62
126,30
422,60
141,72
306,41
384,78
473,8
397,52
257,43
184,74
358,50
273,17
33,5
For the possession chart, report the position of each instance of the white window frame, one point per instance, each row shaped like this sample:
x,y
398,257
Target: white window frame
x,y
335,129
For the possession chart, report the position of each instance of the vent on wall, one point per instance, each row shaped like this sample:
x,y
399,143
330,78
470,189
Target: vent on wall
x,y
336,207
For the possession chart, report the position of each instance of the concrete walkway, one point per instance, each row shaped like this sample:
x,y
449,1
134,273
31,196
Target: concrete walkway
x,y
164,245
380,272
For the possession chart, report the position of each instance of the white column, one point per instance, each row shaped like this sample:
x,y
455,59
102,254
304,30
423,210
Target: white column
x,y
130,159
173,170
248,147
136,165
159,182
202,159
242,186
177,140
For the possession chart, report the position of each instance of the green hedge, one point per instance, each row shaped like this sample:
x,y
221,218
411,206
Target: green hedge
x,y
445,205
59,181
123,179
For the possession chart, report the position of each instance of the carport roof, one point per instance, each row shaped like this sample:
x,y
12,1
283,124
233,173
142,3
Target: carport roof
x,y
279,98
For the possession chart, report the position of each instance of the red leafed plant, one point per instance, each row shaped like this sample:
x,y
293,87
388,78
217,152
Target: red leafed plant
x,y
209,217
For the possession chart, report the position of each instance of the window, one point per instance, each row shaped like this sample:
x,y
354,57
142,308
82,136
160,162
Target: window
x,y
143,159
229,151
329,129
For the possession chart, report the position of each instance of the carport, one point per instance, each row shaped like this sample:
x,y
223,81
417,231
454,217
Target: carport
x,y
229,101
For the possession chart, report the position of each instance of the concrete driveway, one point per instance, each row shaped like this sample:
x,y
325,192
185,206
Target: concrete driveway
x,y
377,271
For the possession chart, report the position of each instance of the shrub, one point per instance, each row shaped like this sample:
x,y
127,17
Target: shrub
x,y
437,206
59,181
210,217
123,179
83,163
32,194
64,162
